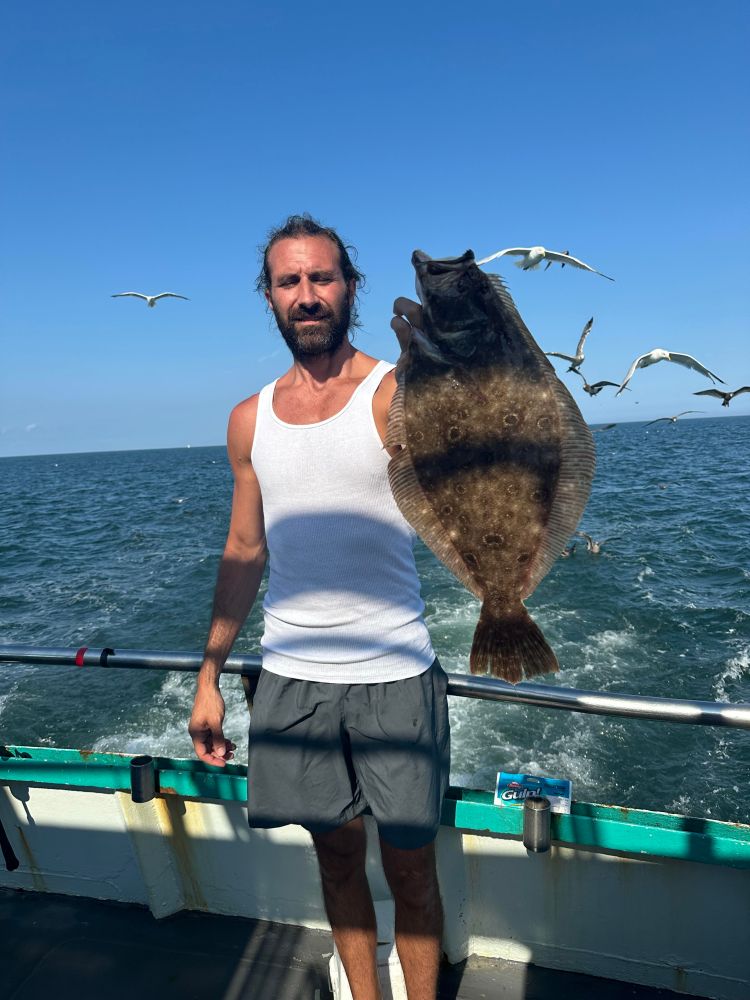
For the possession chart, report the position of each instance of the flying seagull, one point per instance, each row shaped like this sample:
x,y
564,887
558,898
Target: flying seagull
x,y
674,418
592,545
604,427
532,257
727,397
577,361
151,300
659,354
596,387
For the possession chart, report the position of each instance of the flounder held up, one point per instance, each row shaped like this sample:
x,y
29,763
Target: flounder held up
x,y
494,462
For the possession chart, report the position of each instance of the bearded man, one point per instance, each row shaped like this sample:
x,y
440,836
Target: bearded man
x,y
350,711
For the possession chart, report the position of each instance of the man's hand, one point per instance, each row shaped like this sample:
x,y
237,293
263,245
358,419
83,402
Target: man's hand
x,y
408,315
205,727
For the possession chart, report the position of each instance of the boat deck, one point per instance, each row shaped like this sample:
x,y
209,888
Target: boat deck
x,y
69,947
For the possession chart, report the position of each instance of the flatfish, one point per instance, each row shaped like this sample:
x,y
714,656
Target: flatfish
x,y
494,462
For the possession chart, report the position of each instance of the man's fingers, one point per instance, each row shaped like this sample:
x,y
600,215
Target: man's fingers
x,y
402,329
204,752
211,746
408,315
410,310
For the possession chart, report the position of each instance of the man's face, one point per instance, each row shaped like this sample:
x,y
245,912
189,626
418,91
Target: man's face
x,y
308,295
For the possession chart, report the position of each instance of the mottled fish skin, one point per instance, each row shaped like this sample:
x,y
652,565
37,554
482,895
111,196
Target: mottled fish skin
x,y
495,462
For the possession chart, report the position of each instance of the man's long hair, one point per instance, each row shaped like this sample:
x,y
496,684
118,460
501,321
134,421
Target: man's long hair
x,y
297,226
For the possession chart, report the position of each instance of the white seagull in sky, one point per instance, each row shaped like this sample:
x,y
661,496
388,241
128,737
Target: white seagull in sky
x,y
659,354
577,361
673,419
151,300
532,257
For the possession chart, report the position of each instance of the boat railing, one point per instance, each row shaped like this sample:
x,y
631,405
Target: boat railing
x,y
701,713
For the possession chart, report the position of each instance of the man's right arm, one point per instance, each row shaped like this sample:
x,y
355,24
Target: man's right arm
x,y
240,573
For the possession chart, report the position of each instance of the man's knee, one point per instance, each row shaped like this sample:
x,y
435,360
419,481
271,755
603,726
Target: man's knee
x,y
411,874
341,852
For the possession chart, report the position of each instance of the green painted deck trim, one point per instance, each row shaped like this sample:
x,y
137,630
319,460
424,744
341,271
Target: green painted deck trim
x,y
597,827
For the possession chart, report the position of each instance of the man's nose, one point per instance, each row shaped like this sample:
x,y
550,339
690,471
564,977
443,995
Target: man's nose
x,y
307,296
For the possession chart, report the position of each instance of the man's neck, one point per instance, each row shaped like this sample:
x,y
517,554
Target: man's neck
x,y
315,372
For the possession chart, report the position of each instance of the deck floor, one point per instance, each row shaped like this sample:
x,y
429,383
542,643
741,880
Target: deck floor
x,y
68,947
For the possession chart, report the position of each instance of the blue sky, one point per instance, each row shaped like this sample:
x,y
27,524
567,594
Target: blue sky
x,y
153,145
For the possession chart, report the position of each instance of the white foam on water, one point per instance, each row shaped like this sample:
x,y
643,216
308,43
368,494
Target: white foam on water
x,y
613,639
647,571
6,698
683,806
733,671
449,612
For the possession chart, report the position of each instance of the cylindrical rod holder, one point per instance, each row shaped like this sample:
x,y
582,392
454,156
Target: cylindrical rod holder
x,y
142,778
536,824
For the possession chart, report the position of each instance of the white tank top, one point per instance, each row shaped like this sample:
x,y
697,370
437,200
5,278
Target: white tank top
x,y
343,602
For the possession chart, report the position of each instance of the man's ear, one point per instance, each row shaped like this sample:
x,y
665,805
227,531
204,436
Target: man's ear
x,y
267,295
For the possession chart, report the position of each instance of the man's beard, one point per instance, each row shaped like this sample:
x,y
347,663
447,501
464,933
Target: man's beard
x,y
310,340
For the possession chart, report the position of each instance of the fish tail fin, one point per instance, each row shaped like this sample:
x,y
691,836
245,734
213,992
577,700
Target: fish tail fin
x,y
511,648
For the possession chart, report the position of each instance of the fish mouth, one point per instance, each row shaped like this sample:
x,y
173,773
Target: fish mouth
x,y
440,265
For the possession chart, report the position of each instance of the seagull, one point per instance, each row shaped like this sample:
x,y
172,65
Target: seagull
x,y
659,354
577,361
592,545
533,256
674,418
569,551
604,427
594,389
727,397
151,300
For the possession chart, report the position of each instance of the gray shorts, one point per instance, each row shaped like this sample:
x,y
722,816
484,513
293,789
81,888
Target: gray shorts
x,y
321,754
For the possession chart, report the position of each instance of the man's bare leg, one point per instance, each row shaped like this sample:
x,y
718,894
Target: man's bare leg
x,y
412,876
346,891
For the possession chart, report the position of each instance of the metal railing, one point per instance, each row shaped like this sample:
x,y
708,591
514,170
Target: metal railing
x,y
701,713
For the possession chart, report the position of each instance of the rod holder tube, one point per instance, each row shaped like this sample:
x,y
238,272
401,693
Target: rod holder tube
x,y
142,778
536,824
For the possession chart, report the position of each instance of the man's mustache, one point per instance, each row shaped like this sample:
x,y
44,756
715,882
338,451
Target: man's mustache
x,y
316,315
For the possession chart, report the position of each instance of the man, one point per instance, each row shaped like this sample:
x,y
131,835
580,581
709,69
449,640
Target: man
x,y
350,709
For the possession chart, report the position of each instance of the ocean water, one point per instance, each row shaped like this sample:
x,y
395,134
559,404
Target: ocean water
x,y
120,549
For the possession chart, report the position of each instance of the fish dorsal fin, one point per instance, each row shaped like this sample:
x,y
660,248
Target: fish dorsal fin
x,y
577,462
501,290
578,457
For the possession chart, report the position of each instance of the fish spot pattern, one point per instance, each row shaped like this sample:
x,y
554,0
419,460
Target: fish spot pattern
x,y
493,540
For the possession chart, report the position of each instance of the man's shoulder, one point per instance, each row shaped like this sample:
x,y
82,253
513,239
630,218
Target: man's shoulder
x,y
246,409
241,429
387,385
